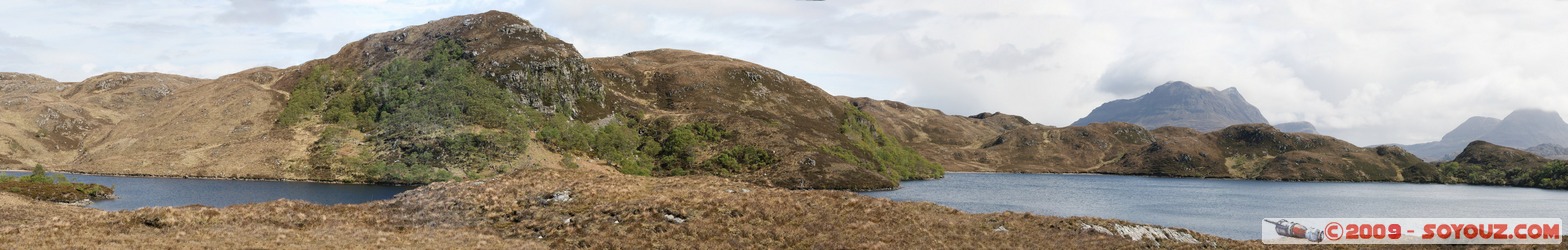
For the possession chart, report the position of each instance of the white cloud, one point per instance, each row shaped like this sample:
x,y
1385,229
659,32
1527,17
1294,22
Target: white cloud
x,y
263,12
1366,71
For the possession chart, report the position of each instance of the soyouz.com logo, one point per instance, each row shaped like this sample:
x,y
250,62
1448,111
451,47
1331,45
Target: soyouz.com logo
x,y
1412,230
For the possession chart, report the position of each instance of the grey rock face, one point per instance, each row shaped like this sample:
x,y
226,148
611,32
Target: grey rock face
x,y
1181,105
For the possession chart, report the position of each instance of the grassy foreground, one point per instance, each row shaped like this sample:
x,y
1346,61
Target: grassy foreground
x,y
550,208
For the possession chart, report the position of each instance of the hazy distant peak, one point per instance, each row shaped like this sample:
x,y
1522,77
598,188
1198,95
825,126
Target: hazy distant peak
x,y
1472,129
1534,115
1297,127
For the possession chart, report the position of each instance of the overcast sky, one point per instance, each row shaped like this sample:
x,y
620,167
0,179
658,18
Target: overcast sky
x,y
1369,72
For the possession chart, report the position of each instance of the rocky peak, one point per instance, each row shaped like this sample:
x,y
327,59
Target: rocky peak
x,y
547,72
1179,104
1529,127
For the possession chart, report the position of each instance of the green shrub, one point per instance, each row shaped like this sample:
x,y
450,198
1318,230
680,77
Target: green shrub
x,y
741,159
1553,175
425,118
39,184
885,154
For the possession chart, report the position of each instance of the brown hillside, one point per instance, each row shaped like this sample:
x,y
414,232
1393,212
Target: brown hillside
x,y
157,124
144,123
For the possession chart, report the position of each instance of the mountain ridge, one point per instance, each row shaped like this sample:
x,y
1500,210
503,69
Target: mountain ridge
x,y
1521,129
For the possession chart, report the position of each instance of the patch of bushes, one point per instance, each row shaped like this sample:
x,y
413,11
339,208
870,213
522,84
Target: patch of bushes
x,y
879,152
310,96
653,148
55,188
740,159
1551,175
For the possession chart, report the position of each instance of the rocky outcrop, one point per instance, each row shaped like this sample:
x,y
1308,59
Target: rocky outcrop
x,y
1179,104
1522,128
547,72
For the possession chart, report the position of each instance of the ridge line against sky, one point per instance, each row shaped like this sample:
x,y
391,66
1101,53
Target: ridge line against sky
x,y
1369,72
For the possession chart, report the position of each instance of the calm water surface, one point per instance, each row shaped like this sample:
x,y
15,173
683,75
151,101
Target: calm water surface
x,y
139,192
1227,208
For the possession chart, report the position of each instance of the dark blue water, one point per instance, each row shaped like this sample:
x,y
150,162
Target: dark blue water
x,y
139,192
1226,208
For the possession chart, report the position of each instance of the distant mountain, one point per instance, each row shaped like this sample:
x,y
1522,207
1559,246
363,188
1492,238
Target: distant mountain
x,y
1179,104
1529,127
1549,150
1521,129
1297,127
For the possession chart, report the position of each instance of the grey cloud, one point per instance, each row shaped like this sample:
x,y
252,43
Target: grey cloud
x,y
1128,76
901,47
1006,57
12,48
264,12
14,42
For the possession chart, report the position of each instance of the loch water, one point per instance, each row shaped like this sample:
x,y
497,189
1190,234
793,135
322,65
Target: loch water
x,y
139,192
1223,207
